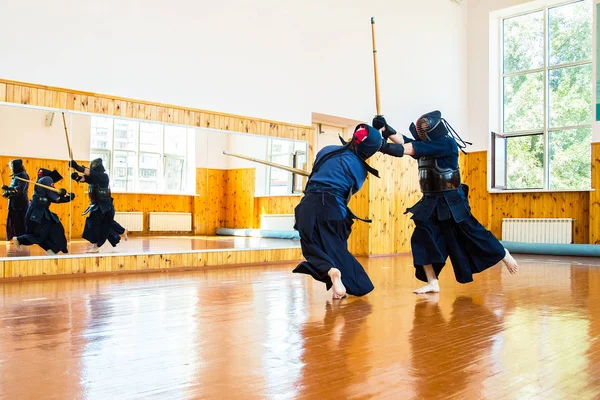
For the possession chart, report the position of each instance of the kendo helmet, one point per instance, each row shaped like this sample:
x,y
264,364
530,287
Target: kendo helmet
x,y
16,165
366,141
430,126
96,165
54,175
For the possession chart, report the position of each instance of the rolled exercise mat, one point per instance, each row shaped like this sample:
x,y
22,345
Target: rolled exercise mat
x,y
583,250
265,233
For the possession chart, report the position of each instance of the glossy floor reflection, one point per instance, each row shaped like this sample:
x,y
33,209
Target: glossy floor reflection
x,y
262,332
161,244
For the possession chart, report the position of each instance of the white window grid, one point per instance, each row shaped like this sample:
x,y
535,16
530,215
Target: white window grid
x,y
545,69
109,154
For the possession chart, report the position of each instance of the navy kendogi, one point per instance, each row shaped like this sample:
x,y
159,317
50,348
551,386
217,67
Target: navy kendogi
x,y
323,218
100,225
444,225
43,226
18,200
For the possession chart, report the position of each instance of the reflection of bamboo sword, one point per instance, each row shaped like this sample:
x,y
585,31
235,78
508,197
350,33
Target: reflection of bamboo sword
x,y
67,136
39,184
270,164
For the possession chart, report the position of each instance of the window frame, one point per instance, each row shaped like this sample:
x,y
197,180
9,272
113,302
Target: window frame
x,y
161,168
294,183
546,69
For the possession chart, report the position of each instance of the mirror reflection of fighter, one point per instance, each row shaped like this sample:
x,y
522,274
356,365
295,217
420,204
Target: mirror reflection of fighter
x,y
18,199
43,227
100,224
444,225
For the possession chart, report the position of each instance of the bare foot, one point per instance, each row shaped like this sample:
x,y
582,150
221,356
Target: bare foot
x,y
50,252
431,287
511,263
125,235
94,249
16,243
339,290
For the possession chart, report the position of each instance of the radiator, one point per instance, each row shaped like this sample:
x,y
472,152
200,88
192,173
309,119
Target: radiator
x,y
277,222
132,221
170,222
538,230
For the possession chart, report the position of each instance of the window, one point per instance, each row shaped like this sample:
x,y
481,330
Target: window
x,y
142,156
292,154
546,100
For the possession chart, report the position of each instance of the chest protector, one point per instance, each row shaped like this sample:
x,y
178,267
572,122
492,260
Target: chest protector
x,y
98,194
434,179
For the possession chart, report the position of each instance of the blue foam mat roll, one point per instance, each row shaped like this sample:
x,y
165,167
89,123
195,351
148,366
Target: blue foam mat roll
x,y
583,250
265,233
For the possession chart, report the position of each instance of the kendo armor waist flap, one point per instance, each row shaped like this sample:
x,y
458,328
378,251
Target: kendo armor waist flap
x,y
434,179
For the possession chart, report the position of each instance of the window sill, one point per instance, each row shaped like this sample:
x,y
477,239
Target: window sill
x,y
155,193
281,195
499,191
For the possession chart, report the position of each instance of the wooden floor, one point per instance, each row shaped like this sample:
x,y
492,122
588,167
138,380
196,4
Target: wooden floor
x,y
160,244
263,332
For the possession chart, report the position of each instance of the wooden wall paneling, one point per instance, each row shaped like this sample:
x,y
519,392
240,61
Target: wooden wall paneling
x,y
128,263
25,99
358,244
407,194
239,195
216,200
382,201
490,209
542,205
594,197
474,174
389,197
2,91
200,207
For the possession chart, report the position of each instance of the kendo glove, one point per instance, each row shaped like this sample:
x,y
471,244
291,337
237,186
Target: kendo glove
x,y
392,149
4,187
380,122
62,192
66,198
6,194
73,164
76,177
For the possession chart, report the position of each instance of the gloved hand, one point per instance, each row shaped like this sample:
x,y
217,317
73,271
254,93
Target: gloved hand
x,y
392,149
6,194
73,164
71,196
62,192
380,122
76,177
4,187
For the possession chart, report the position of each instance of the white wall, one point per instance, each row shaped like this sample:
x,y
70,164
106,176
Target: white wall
x,y
211,157
478,67
24,133
596,125
276,59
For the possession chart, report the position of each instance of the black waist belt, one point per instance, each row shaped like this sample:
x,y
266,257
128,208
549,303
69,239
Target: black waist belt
x,y
352,215
41,201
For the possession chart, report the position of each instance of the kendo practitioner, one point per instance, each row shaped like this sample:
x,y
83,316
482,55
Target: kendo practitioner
x,y
444,225
43,226
324,220
100,225
18,199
